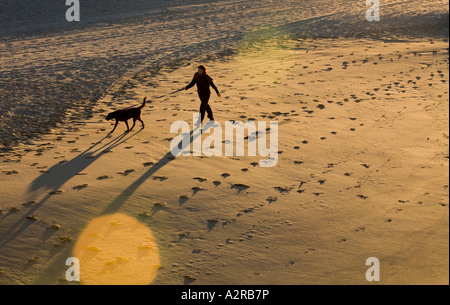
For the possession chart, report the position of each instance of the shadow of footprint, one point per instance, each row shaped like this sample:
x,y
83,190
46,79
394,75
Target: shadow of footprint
x,y
200,179
80,187
240,187
196,189
283,189
158,207
211,224
183,199
189,280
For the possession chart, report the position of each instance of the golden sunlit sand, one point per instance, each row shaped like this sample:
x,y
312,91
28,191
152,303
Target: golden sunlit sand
x,y
117,249
362,172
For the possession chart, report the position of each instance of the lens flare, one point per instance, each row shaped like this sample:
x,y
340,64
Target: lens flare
x,y
117,250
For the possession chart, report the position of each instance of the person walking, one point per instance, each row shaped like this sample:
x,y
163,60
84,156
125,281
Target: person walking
x,y
203,82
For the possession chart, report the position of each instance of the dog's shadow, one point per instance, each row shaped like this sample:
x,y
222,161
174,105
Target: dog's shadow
x,y
59,174
117,203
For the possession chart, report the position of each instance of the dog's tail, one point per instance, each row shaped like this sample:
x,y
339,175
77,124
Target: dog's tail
x,y
144,103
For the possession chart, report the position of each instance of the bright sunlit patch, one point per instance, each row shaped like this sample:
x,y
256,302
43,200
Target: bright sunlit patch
x,y
117,250
263,46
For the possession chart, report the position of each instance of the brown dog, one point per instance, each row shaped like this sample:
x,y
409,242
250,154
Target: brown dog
x,y
126,114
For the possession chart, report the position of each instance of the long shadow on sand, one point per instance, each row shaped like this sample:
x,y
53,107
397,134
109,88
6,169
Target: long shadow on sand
x,y
59,263
115,205
59,174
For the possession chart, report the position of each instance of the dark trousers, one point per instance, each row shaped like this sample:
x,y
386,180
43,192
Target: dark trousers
x,y
204,107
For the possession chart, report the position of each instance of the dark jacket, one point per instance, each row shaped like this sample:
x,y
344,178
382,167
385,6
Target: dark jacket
x,y
203,82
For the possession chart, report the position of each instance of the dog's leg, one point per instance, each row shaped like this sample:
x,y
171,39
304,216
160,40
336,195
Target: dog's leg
x,y
139,118
143,125
115,126
128,127
134,123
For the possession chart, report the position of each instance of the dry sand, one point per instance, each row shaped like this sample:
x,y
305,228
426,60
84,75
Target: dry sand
x,y
362,172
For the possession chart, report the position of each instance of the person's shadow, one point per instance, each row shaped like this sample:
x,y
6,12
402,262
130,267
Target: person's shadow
x,y
59,263
59,174
186,141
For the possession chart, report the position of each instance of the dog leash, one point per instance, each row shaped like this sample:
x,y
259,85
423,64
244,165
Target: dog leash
x,y
157,98
166,95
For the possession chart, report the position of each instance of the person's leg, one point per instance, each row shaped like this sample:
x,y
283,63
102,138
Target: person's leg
x,y
204,107
202,111
209,111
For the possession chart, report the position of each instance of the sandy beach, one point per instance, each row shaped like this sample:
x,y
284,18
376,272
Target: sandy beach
x,y
362,172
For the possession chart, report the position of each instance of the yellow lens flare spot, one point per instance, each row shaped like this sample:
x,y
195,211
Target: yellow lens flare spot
x,y
117,250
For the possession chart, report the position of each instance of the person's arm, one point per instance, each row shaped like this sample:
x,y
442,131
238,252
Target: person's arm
x,y
214,86
192,83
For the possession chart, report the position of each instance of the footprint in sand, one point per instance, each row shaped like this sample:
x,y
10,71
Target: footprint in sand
x,y
189,279
28,203
183,199
211,223
55,227
159,205
240,187
63,240
127,172
283,189
80,187
12,172
200,179
225,175
147,164
103,178
160,178
217,183
31,217
55,192
271,199
197,189
145,215
310,251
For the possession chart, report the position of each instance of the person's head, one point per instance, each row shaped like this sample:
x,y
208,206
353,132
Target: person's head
x,y
201,69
